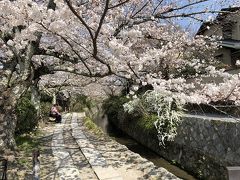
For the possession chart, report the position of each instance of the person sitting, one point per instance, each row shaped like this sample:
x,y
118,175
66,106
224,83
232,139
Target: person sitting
x,y
56,114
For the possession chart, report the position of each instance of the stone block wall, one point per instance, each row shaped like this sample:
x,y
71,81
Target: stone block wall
x,y
215,139
204,146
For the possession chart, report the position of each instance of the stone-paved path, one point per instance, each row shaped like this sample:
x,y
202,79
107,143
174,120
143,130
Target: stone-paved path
x,y
68,155
77,154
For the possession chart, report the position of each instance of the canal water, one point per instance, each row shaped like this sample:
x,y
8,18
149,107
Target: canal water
x,y
143,151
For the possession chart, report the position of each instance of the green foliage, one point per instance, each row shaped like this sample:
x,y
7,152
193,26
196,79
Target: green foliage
x,y
26,116
26,143
151,111
45,108
88,122
113,105
45,97
146,122
186,72
79,103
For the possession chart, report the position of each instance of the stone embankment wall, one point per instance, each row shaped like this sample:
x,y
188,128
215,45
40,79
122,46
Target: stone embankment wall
x,y
97,114
204,145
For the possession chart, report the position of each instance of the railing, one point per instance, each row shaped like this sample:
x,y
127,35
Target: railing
x,y
233,173
36,165
3,168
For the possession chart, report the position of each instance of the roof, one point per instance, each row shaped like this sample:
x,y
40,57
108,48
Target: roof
x,y
204,27
219,18
235,44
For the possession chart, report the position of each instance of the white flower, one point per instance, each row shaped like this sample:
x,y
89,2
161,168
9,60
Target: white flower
x,y
57,26
238,62
168,99
135,88
131,92
10,42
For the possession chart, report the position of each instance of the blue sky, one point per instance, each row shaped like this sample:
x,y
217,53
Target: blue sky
x,y
193,25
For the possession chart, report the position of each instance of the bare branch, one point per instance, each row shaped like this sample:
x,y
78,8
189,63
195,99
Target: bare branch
x,y
71,46
155,9
231,92
75,52
184,6
161,16
80,45
164,15
129,65
117,5
73,71
99,27
80,18
59,55
140,9
219,110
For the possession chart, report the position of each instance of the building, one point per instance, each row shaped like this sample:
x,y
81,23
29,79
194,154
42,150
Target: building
x,y
227,26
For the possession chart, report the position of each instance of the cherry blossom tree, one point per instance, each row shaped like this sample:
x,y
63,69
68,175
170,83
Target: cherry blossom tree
x,y
130,39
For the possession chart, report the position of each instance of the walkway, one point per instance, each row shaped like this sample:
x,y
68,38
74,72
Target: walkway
x,y
76,154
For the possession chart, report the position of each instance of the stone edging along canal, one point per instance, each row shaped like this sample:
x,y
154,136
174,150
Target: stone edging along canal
x,y
96,113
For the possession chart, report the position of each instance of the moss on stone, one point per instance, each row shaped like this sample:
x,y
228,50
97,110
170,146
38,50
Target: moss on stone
x,y
89,124
147,122
114,109
114,103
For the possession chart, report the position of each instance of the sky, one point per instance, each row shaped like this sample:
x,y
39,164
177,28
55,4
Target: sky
x,y
192,25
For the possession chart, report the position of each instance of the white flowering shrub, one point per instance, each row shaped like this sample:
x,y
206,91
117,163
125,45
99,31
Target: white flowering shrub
x,y
167,108
131,106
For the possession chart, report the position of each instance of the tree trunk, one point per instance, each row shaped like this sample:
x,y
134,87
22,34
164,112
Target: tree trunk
x,y
35,98
54,100
13,83
8,124
8,117
8,121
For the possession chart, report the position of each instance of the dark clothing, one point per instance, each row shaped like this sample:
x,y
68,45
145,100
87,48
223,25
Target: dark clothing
x,y
57,116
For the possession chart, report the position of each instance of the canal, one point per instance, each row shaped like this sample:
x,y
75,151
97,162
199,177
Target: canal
x,y
143,151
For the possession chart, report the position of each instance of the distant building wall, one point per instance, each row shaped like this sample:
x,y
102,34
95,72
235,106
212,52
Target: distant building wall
x,y
236,31
214,29
224,55
227,26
